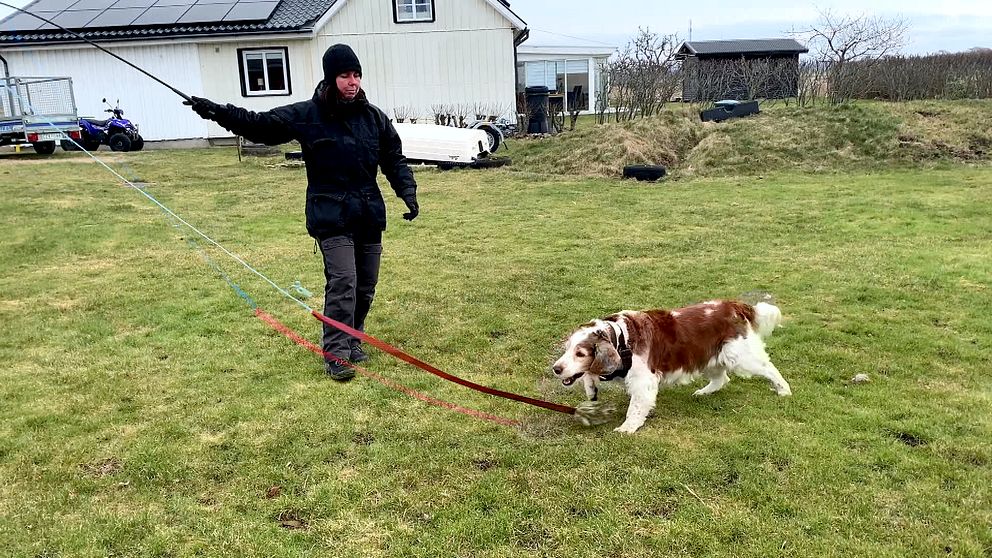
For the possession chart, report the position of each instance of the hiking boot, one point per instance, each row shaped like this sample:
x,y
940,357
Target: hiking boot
x,y
339,372
358,355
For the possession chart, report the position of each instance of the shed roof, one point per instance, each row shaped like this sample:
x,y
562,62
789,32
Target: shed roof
x,y
742,46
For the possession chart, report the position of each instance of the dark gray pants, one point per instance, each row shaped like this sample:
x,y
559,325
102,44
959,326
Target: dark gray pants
x,y
351,268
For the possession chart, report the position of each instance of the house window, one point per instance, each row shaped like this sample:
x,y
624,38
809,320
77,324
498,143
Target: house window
x,y
264,72
413,11
566,78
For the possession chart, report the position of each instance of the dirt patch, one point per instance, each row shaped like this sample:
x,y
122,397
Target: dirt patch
x,y
484,464
291,519
911,439
103,467
363,438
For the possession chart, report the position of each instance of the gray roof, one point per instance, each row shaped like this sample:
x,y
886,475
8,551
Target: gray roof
x,y
288,16
743,46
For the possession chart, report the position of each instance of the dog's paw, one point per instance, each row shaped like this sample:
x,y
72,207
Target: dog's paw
x,y
783,391
626,428
701,391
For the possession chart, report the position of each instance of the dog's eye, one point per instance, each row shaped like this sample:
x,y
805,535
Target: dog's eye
x,y
581,353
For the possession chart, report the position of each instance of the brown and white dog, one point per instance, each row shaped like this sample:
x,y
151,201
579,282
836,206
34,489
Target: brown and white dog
x,y
656,347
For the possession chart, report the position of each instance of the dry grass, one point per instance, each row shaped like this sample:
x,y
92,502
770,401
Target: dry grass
x,y
862,136
604,150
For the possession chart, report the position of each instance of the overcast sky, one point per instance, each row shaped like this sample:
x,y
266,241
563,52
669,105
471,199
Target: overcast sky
x,y
935,25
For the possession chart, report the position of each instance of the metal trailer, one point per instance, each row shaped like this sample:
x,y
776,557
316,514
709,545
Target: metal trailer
x,y
37,110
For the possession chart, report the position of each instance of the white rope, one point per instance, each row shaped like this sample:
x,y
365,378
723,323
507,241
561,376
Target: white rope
x,y
171,213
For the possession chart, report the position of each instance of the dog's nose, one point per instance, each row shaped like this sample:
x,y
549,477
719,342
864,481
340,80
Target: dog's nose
x,y
557,369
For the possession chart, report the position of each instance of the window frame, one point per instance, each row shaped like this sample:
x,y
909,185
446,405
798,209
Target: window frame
x,y
396,12
243,71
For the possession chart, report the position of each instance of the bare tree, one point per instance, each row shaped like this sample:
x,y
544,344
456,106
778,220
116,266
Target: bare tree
x,y
480,110
461,111
404,112
644,75
438,111
962,75
619,70
842,40
811,82
602,92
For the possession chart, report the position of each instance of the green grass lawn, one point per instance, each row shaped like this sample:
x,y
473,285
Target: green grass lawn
x,y
146,412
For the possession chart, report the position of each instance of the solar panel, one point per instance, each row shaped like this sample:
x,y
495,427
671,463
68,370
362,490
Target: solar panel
x,y
116,17
161,15
91,5
93,14
46,15
206,13
21,22
251,11
50,5
75,19
134,4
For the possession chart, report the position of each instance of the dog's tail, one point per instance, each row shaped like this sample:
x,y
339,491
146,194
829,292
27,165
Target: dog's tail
x,y
766,318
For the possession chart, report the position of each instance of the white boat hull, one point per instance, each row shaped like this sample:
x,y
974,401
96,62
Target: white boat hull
x,y
430,143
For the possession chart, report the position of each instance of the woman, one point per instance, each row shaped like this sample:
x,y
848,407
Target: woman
x,y
344,138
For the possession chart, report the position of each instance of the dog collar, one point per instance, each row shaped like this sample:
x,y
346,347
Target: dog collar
x,y
626,355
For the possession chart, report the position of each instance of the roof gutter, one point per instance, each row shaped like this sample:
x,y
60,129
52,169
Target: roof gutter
x,y
195,38
518,39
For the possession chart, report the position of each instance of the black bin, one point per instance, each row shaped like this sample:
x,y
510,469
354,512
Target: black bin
x,y
537,109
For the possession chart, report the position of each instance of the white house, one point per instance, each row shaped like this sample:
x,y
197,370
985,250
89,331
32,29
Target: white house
x,y
263,53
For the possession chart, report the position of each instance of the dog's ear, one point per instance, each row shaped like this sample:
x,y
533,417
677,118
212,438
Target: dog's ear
x,y
606,358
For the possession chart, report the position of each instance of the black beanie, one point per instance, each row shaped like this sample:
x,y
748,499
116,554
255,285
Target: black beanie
x,y
340,59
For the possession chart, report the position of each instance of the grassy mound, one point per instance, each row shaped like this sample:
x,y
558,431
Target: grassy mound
x,y
594,150
863,135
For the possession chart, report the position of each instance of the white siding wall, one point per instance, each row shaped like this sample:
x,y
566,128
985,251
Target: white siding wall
x,y
464,57
158,112
219,65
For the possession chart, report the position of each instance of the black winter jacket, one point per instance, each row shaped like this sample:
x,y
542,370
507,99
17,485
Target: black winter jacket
x,y
342,143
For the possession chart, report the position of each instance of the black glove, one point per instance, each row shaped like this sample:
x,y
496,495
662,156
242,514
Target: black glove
x,y
411,204
206,108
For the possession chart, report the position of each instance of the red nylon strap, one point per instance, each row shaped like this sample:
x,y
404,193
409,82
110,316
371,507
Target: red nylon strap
x,y
299,340
428,368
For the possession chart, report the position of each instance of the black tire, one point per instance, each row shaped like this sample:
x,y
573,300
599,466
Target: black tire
x,y
89,142
68,145
645,172
138,143
491,162
119,142
495,137
44,147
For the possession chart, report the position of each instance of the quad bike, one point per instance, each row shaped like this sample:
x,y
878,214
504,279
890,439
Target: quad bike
x,y
117,132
